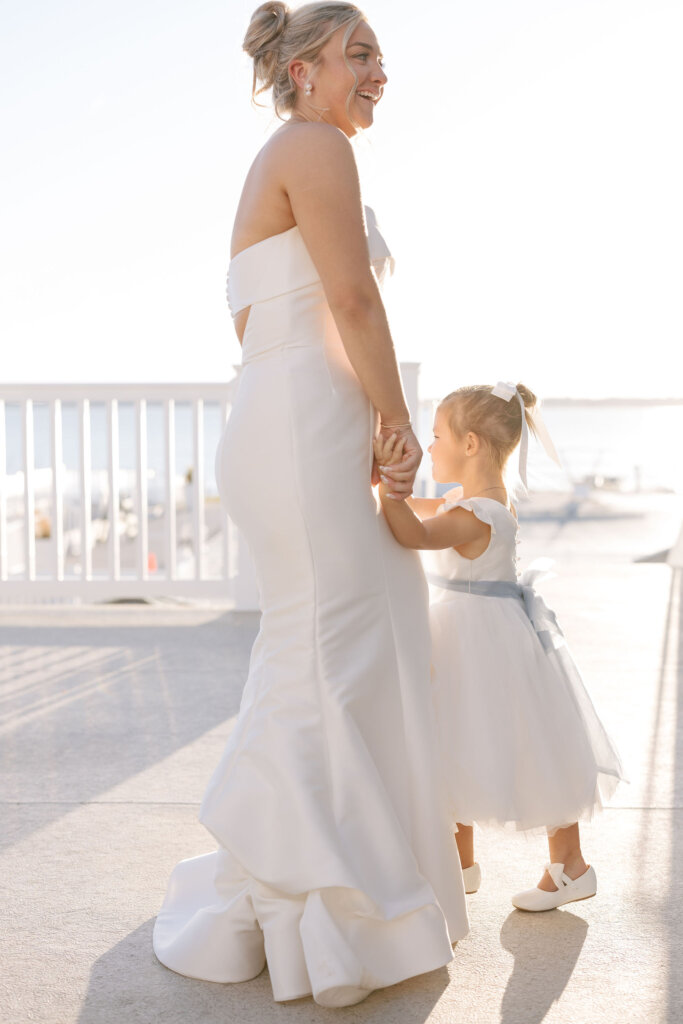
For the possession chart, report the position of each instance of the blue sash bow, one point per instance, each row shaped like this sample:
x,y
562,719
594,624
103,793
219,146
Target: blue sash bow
x,y
542,618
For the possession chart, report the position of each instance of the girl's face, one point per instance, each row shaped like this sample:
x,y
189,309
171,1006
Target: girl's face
x,y
448,452
332,80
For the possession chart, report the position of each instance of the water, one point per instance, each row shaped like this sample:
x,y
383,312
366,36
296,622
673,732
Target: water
x,y
631,446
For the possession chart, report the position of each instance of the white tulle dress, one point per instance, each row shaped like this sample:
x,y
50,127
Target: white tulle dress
x,y
521,743
336,862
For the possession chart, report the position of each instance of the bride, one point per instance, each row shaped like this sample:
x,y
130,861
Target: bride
x,y
335,862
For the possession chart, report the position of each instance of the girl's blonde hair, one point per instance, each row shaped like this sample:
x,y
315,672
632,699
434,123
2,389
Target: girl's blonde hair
x,y
496,422
277,35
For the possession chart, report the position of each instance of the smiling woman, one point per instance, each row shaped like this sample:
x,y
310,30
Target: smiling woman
x,y
287,44
335,863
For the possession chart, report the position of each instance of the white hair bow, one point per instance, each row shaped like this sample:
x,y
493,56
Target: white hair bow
x,y
507,392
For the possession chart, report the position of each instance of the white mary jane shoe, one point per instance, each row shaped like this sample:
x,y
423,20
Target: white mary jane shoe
x,y
568,890
471,876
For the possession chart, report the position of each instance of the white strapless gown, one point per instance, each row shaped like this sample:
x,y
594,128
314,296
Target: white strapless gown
x,y
336,861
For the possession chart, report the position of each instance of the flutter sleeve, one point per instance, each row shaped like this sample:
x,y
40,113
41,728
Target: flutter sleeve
x,y
481,508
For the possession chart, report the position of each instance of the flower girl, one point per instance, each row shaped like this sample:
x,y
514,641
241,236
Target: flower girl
x,y
521,742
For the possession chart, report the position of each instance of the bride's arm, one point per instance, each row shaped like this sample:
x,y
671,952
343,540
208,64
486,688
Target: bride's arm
x,y
320,178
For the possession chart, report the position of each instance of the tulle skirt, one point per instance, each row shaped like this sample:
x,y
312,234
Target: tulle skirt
x,y
521,743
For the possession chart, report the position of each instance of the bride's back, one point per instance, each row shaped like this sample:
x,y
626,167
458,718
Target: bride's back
x,y
264,208
306,176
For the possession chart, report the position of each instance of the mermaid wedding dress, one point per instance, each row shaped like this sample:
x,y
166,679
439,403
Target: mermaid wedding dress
x,y
336,862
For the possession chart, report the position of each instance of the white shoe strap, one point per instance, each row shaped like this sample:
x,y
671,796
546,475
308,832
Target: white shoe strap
x,y
556,872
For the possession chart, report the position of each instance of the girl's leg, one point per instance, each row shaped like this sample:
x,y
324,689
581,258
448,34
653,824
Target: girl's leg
x,y
464,837
565,848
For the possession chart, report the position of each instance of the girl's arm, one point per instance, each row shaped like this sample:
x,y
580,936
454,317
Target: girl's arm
x,y
424,507
448,530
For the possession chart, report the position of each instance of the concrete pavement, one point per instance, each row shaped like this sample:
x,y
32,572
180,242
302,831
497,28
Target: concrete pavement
x,y
113,717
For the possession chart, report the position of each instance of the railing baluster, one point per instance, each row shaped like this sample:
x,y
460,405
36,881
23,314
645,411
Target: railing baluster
x,y
86,489
57,524
198,488
60,581
225,526
114,493
29,494
3,494
169,414
141,413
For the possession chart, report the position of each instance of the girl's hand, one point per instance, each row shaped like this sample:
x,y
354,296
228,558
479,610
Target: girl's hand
x,y
398,454
380,450
388,451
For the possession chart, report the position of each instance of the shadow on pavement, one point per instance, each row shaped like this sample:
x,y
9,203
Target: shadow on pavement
x,y
546,948
129,984
87,706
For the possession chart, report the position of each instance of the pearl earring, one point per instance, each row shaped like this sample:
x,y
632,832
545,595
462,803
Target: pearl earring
x,y
308,89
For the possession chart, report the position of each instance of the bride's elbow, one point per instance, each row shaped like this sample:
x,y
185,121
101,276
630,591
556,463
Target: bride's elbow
x,y
355,306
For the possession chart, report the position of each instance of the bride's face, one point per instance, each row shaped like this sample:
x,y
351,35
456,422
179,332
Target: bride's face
x,y
332,80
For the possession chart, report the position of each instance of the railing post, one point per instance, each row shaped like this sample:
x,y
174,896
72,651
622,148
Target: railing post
x,y
29,494
141,414
410,373
3,493
426,484
86,490
225,526
169,417
57,525
198,489
114,493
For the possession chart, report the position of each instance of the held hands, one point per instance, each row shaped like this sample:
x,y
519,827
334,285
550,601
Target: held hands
x,y
397,455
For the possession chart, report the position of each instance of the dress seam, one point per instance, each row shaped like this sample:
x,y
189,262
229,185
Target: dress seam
x,y
316,627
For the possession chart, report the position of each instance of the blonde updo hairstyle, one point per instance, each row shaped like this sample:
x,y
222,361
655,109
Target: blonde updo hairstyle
x,y
495,422
277,35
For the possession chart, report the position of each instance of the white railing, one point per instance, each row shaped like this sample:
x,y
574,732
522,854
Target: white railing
x,y
71,529
39,506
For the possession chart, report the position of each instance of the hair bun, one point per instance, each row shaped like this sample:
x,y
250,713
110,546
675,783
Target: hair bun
x,y
527,396
277,35
265,28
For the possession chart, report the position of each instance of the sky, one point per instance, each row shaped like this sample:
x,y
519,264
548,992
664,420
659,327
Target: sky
x,y
525,168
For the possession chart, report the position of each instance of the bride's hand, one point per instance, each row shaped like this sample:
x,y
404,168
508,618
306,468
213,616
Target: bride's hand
x,y
398,455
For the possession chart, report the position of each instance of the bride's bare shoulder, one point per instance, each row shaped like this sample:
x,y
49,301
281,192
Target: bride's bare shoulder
x,y
297,144
309,133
